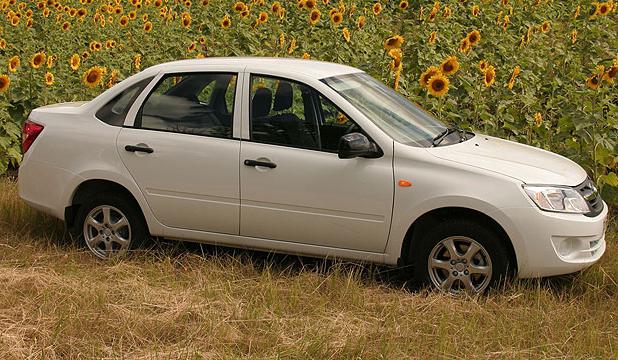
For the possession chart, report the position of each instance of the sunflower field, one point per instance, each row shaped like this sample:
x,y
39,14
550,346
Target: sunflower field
x,y
540,72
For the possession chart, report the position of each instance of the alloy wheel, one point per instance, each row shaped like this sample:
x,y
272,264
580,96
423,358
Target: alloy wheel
x,y
459,264
107,231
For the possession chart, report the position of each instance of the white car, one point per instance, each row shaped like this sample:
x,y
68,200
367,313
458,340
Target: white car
x,y
308,158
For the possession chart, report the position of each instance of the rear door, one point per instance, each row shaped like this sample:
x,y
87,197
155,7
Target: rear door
x,y
182,152
293,185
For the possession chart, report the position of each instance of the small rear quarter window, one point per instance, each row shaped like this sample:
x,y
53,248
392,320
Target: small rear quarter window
x,y
115,111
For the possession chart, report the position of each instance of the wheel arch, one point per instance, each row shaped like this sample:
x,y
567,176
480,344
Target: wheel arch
x,y
433,218
91,186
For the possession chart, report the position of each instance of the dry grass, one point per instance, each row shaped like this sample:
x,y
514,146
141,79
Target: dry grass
x,y
177,301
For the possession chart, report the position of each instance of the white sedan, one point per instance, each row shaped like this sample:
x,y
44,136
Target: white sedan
x,y
308,158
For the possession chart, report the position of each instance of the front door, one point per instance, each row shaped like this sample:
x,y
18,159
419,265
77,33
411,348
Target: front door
x,y
293,185
182,154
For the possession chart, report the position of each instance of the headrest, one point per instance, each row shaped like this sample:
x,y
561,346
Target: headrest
x,y
283,97
262,100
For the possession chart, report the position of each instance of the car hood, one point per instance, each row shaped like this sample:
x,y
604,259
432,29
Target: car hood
x,y
528,164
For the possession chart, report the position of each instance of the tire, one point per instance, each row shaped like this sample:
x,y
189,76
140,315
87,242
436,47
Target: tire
x,y
481,259
109,225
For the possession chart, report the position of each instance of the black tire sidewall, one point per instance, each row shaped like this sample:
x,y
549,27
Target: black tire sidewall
x,y
482,234
139,231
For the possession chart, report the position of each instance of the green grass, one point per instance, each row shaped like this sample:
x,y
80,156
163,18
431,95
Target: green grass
x,y
186,301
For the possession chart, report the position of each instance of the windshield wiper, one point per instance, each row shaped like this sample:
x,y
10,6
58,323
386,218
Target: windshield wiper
x,y
446,132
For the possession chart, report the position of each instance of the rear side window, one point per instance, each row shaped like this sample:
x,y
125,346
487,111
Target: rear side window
x,y
115,111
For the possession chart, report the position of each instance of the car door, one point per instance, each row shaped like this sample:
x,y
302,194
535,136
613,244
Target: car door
x,y
293,185
182,152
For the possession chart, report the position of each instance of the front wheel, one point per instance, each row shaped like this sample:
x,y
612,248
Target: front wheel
x,y
461,256
109,225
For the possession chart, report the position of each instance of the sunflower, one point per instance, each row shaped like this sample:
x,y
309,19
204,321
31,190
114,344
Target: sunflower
x,y
393,42
464,45
376,8
132,15
310,4
474,37
432,37
186,19
610,75
14,63
506,22
244,13
263,17
603,8
545,26
147,26
75,61
191,47
110,44
85,55
226,22
438,85
66,26
5,81
292,46
306,56
314,16
37,60
447,11
92,77
275,7
360,23
124,20
449,66
137,61
51,60
239,6
475,10
346,34
538,119
514,75
336,18
489,76
428,74
49,79
574,36
281,40
403,5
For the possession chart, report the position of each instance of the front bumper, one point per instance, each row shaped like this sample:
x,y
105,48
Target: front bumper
x,y
554,243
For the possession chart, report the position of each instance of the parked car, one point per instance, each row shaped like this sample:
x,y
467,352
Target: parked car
x,y
310,158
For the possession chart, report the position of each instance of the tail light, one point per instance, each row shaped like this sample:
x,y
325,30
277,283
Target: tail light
x,y
30,133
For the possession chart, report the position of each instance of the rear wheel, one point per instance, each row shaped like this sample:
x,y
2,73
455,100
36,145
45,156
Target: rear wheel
x,y
461,256
110,225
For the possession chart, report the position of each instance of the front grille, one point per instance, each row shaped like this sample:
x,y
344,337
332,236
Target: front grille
x,y
590,193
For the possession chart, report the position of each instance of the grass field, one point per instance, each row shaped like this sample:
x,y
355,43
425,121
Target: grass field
x,y
186,301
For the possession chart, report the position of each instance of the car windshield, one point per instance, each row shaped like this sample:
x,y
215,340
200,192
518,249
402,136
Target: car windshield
x,y
402,120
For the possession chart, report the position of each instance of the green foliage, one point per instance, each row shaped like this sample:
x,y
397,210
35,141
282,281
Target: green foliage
x,y
575,120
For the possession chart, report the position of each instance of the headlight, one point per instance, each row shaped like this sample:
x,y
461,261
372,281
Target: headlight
x,y
559,199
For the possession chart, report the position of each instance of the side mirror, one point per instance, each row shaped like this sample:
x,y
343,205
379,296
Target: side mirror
x,y
357,145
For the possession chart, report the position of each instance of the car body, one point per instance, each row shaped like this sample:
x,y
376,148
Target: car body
x,y
253,159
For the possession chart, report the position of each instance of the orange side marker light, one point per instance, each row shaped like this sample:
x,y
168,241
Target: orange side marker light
x,y
405,183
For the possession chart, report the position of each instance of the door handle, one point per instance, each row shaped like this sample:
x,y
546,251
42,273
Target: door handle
x,y
260,163
139,148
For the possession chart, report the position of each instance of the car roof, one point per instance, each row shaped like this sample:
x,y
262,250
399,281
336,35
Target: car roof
x,y
312,68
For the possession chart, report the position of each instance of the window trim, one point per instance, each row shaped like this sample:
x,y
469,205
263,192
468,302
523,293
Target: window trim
x,y
137,121
315,92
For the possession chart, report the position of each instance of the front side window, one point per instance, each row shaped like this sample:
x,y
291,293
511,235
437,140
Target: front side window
x,y
198,104
394,114
285,112
115,111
